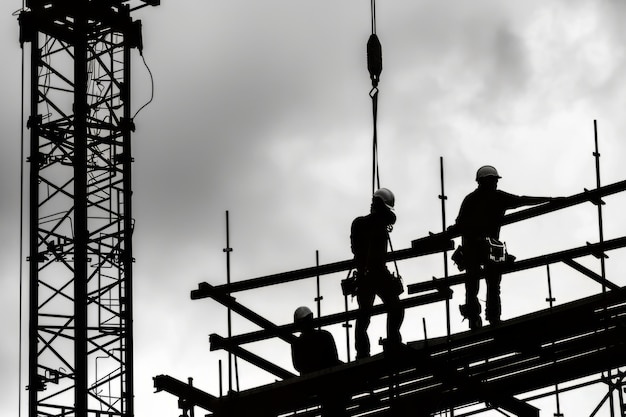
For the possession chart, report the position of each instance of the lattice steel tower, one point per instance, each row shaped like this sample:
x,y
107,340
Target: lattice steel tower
x,y
80,255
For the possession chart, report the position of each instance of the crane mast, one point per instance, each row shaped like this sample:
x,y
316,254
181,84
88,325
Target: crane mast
x,y
80,217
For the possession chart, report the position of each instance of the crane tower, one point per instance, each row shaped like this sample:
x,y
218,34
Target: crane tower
x,y
80,217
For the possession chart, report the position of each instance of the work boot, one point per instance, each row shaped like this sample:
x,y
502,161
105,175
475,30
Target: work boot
x,y
475,322
494,321
362,355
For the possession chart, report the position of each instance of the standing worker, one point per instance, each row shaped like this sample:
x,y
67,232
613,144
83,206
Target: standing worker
x,y
479,222
369,237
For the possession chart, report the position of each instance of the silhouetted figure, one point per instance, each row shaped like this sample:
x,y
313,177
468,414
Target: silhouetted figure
x,y
369,237
479,222
315,350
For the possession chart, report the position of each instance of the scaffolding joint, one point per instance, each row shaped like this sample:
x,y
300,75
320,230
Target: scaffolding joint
x,y
595,200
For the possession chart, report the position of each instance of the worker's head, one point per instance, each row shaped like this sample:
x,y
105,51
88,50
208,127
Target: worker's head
x,y
303,317
383,202
384,196
487,176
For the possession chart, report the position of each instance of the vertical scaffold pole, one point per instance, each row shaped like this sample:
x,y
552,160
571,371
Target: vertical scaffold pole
x,y
228,250
601,255
596,155
347,326
551,301
443,199
319,297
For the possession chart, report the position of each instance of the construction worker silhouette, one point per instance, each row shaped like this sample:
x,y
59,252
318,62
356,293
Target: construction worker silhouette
x,y
369,237
479,222
314,349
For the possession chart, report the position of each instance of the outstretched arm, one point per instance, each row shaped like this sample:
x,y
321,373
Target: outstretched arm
x,y
533,201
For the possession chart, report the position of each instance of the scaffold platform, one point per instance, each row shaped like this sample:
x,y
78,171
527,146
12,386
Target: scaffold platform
x,y
493,366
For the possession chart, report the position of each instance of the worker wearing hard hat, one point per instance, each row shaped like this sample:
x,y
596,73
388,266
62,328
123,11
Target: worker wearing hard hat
x,y
314,349
369,239
479,222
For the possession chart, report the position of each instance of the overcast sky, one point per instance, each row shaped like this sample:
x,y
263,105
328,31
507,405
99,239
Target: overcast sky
x,y
262,108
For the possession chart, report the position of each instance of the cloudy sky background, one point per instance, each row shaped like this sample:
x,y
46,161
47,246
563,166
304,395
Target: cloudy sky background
x,y
261,108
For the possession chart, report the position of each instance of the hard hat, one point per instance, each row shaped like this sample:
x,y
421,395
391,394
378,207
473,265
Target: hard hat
x,y
302,313
387,196
486,171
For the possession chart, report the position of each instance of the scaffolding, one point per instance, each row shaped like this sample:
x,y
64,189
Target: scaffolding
x,y
502,367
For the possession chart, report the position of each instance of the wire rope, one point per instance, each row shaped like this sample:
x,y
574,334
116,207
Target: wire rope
x,y
373,9
374,66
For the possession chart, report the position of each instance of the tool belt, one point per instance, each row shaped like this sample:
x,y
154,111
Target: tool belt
x,y
487,250
350,285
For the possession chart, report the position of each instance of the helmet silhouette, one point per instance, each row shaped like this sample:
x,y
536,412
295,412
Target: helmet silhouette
x,y
387,196
302,313
486,171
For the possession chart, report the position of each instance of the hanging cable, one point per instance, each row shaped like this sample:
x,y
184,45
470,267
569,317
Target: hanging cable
x,y
375,67
151,87
375,170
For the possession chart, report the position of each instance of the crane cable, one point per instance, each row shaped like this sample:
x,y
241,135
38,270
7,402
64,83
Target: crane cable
x,y
375,67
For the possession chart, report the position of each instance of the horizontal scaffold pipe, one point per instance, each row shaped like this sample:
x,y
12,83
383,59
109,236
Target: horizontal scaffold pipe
x,y
596,249
428,245
228,343
431,244
594,196
185,392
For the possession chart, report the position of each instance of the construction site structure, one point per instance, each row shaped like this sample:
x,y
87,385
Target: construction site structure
x,y
502,367
80,256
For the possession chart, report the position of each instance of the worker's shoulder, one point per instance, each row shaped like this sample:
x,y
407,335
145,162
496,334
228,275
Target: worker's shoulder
x,y
504,195
361,220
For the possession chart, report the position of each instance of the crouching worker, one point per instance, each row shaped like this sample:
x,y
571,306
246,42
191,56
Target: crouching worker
x,y
315,350
369,237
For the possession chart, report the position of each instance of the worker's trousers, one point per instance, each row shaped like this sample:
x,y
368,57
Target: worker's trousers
x,y
379,284
493,278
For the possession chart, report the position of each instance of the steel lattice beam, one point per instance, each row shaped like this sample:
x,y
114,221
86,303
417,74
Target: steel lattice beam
x,y
80,256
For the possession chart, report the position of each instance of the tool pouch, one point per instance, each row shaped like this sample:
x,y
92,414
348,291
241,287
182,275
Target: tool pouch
x,y
496,250
397,285
458,258
349,285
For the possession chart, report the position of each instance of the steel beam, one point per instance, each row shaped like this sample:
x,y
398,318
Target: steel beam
x,y
493,365
565,256
330,319
434,243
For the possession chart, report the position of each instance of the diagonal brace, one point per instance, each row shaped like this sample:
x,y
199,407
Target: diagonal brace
x,y
588,272
250,357
229,302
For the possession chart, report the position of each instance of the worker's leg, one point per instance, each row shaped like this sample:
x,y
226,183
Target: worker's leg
x,y
494,306
471,309
365,298
395,313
